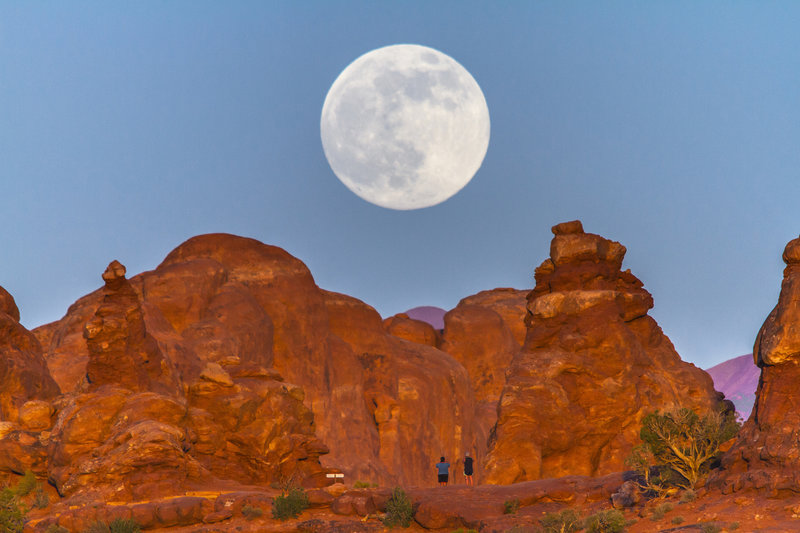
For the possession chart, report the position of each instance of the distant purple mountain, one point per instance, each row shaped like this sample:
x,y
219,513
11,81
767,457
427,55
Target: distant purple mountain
x,y
432,315
737,378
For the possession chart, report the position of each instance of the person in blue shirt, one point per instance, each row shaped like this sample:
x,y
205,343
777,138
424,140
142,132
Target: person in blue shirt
x,y
443,468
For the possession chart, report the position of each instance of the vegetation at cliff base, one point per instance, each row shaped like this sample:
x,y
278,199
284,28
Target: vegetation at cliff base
x,y
611,521
566,521
399,509
12,507
679,447
511,506
290,504
118,525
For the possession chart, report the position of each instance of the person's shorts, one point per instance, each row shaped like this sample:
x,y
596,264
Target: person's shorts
x,y
443,478
467,473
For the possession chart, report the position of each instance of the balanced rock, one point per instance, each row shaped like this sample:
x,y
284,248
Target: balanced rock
x,y
121,351
593,364
766,453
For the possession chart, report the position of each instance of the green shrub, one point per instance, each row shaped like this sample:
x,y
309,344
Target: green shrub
x,y
364,485
511,506
566,521
661,510
399,509
97,527
688,496
251,513
118,525
611,521
290,504
677,520
40,498
124,525
26,484
11,515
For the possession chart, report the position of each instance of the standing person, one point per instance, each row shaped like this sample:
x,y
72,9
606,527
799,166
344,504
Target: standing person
x,y
443,468
468,469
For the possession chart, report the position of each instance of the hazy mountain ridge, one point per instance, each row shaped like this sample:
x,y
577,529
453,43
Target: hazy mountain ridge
x,y
737,378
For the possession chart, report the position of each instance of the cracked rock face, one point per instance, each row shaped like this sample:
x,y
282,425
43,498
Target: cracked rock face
x,y
592,365
766,454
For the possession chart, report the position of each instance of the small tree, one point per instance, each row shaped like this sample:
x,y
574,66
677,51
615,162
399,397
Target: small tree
x,y
679,447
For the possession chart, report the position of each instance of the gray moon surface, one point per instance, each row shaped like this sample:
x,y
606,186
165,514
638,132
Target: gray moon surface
x,y
405,127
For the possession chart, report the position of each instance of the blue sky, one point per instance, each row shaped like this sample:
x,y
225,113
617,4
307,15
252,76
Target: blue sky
x,y
671,127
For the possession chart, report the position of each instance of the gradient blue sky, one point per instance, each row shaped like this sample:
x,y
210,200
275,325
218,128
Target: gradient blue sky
x,y
672,127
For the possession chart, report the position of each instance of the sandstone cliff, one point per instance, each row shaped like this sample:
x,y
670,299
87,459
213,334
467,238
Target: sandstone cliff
x,y
766,453
221,327
593,363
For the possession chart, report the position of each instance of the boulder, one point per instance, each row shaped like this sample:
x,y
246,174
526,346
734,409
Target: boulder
x,y
404,327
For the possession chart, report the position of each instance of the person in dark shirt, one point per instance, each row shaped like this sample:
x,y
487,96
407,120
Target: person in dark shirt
x,y
468,471
444,471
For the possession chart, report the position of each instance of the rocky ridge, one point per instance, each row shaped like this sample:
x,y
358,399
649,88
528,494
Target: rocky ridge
x,y
227,367
766,454
592,365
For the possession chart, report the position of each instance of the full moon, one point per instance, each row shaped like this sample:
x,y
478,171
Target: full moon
x,y
405,127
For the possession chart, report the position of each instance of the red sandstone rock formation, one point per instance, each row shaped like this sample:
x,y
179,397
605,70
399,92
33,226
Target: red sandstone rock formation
x,y
23,372
592,365
484,332
766,453
224,318
419,397
168,403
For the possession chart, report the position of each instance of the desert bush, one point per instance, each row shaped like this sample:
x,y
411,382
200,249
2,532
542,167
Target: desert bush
x,y
677,520
97,527
566,521
611,521
124,525
26,484
679,447
710,528
12,516
733,526
399,509
364,485
251,513
290,504
661,510
688,496
40,498
118,525
511,506
55,528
